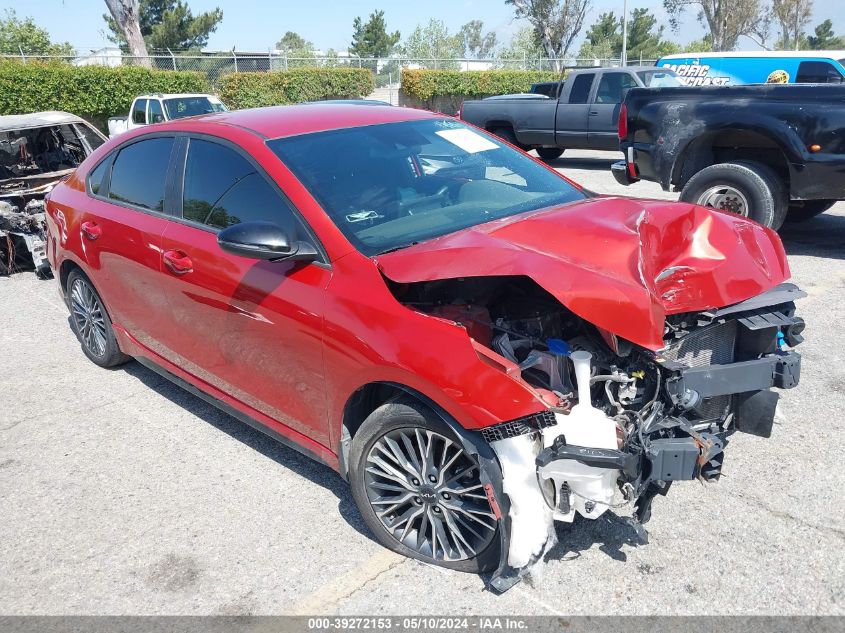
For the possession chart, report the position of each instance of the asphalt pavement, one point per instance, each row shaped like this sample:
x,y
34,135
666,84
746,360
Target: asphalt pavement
x,y
122,494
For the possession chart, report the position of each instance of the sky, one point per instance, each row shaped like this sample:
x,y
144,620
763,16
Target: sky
x,y
256,25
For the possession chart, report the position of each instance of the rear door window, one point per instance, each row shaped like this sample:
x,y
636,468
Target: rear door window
x,y
222,188
612,86
140,172
581,85
139,112
818,72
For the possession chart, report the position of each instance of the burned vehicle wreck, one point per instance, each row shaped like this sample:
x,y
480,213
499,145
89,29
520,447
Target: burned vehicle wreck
x,y
36,152
646,358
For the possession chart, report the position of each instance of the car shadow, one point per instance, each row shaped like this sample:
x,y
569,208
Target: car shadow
x,y
610,531
288,458
821,236
593,164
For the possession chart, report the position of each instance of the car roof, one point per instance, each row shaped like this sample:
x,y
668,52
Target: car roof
x,y
173,95
775,54
593,69
12,122
291,120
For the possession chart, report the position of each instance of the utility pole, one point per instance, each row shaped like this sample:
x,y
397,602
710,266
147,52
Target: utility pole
x,y
624,33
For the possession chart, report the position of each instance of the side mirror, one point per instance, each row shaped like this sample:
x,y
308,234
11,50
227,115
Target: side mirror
x,y
158,118
263,240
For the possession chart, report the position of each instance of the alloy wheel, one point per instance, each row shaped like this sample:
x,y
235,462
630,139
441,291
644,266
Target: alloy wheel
x,y
725,198
427,493
88,316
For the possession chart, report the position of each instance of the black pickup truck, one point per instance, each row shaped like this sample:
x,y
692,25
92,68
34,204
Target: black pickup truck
x,y
581,115
768,152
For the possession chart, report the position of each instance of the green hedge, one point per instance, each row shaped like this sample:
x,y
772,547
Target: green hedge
x,y
426,84
93,92
257,89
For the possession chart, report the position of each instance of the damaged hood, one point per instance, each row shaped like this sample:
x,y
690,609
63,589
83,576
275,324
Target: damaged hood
x,y
622,264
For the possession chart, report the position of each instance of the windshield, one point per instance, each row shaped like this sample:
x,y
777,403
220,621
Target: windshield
x,y
659,79
180,107
391,185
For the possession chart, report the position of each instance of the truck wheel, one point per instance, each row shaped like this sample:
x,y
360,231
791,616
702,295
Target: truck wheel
x,y
507,135
803,211
419,492
752,190
549,153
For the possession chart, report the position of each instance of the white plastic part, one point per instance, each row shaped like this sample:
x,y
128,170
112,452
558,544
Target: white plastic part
x,y
592,489
532,528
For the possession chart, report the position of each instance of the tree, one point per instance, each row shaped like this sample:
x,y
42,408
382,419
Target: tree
x,y
522,47
126,17
371,39
824,38
556,22
293,42
726,20
433,42
25,36
793,17
475,42
168,24
298,51
644,42
606,35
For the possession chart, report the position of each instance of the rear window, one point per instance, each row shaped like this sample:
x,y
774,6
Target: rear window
x,y
659,79
140,172
581,85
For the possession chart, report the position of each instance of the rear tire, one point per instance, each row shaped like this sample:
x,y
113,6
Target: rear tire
x,y
91,323
549,153
507,135
750,189
418,498
801,212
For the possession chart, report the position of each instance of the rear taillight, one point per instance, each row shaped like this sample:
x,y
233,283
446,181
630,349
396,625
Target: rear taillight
x,y
622,124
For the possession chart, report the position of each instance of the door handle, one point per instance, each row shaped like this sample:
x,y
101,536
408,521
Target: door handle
x,y
594,113
178,262
91,230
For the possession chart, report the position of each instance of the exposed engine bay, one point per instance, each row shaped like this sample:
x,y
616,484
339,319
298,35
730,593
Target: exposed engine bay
x,y
623,422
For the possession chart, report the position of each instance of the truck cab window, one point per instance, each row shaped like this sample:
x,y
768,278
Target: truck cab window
x,y
818,73
139,112
612,86
580,92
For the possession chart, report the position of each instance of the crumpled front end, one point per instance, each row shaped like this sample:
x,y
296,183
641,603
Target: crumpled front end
x,y
631,423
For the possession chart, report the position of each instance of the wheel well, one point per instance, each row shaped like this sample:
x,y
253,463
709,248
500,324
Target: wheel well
x,y
366,400
495,125
65,269
725,146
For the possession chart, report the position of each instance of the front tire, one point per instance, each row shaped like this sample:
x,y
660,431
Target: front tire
x,y
752,190
91,323
419,491
549,153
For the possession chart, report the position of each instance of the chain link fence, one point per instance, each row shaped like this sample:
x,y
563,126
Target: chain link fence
x,y
387,70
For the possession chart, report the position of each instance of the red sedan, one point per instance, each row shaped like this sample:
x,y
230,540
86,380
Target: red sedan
x,y
477,344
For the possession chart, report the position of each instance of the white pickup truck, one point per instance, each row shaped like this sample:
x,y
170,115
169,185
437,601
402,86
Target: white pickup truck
x,y
157,108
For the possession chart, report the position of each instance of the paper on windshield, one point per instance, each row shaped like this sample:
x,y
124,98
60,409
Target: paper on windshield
x,y
467,140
